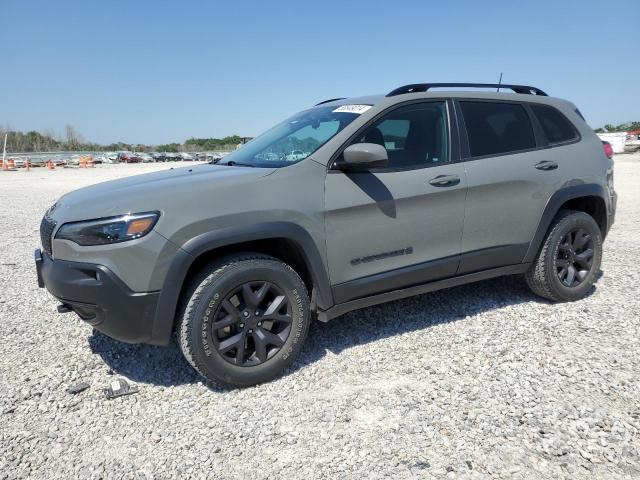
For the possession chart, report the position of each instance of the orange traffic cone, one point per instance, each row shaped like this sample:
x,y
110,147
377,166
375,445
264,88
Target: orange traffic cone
x,y
5,166
12,164
90,163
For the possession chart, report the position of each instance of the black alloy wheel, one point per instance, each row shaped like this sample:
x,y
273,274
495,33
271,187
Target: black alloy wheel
x,y
569,259
243,319
575,257
252,323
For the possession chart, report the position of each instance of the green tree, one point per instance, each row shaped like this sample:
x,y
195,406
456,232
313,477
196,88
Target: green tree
x,y
169,147
34,141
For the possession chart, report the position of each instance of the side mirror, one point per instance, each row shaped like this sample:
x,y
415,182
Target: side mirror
x,y
364,156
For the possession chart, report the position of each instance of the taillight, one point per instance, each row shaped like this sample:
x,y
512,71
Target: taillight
x,y
608,150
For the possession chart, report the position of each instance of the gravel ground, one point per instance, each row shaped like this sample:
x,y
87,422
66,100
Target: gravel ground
x,y
479,381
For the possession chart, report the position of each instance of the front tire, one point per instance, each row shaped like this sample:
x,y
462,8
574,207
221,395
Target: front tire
x,y
244,320
569,259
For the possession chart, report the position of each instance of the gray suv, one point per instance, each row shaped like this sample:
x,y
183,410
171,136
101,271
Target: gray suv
x,y
392,196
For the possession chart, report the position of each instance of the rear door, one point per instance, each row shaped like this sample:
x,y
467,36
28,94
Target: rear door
x,y
511,175
401,225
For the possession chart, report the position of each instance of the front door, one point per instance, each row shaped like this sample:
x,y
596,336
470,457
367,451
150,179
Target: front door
x,y
400,225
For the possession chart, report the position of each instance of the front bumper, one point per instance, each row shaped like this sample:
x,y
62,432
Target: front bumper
x,y
99,298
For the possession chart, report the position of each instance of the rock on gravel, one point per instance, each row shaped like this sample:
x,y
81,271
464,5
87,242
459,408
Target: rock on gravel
x,y
480,381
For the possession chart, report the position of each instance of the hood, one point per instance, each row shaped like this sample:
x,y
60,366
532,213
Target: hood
x,y
153,191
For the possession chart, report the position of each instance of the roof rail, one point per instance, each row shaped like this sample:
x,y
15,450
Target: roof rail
x,y
423,87
329,100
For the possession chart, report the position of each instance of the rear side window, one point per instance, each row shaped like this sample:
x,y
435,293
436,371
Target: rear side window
x,y
555,125
497,128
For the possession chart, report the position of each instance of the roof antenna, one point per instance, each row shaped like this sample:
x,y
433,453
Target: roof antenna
x,y
499,83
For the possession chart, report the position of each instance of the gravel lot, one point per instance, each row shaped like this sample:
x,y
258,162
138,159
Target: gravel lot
x,y
479,381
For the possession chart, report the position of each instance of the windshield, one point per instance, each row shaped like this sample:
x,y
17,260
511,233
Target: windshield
x,y
292,140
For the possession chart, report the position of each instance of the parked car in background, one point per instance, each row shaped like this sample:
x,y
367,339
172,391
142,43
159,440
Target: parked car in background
x,y
72,160
19,162
34,160
145,157
185,157
39,161
60,160
121,156
296,155
128,157
171,156
214,157
269,156
103,158
157,157
632,142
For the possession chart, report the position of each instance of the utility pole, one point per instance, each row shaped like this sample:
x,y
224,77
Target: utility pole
x,y
4,149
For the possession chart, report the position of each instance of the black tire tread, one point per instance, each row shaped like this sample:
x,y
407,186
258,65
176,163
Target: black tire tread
x,y
537,277
200,282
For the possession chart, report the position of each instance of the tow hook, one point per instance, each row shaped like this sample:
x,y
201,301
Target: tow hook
x,y
64,308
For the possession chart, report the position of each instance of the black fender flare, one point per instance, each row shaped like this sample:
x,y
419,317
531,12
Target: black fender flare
x,y
205,242
553,206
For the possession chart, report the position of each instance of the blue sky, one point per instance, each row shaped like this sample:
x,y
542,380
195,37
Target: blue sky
x,y
157,71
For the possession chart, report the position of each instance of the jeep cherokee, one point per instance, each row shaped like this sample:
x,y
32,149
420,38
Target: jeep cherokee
x,y
395,195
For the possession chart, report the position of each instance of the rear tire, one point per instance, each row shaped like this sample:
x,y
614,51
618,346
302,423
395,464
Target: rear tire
x,y
243,320
569,259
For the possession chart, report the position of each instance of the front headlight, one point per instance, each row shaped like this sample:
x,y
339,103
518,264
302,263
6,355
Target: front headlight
x,y
109,230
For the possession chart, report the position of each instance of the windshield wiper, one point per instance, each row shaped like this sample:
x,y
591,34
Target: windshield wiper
x,y
233,163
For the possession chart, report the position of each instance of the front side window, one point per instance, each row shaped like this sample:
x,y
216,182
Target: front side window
x,y
497,128
292,140
555,125
415,136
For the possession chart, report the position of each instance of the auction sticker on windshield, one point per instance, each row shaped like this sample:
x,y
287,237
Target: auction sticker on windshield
x,y
359,109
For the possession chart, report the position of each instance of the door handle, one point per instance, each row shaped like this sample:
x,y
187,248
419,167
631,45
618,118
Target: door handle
x,y
546,165
445,180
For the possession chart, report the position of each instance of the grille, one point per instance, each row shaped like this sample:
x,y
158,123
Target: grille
x,y
46,230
